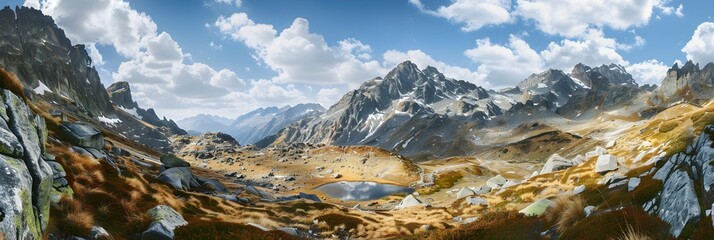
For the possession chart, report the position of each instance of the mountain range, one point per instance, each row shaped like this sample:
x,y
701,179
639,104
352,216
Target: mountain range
x,y
422,114
253,126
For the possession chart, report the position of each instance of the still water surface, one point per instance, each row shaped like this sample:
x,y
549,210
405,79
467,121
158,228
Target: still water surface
x,y
361,191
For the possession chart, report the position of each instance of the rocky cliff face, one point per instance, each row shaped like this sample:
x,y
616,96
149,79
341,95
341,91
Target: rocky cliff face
x,y
688,83
120,94
39,53
687,190
25,175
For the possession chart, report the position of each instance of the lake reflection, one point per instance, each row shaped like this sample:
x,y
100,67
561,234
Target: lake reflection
x,y
361,191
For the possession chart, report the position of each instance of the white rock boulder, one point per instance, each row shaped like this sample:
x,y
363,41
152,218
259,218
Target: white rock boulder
x,y
606,163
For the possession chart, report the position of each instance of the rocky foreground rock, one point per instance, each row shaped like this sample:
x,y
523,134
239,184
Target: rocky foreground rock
x,y
26,178
688,179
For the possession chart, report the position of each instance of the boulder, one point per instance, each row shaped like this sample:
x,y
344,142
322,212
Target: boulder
x,y
509,183
594,153
97,233
167,215
82,134
464,192
476,201
57,170
409,201
482,189
262,194
537,208
165,220
158,231
212,185
181,178
605,163
81,151
611,144
632,184
97,154
589,210
496,182
307,196
171,161
556,163
578,159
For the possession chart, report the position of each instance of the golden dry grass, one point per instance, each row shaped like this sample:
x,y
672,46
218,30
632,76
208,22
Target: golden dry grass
x,y
10,82
565,212
73,217
631,234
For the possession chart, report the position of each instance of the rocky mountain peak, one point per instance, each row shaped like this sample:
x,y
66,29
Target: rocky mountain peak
x,y
120,94
687,83
39,53
404,76
616,75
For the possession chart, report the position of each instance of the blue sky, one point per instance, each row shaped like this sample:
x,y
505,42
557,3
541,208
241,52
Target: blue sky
x,y
228,57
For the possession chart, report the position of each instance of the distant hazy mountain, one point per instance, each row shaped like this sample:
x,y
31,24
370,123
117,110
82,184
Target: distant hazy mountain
x,y
260,123
205,123
253,126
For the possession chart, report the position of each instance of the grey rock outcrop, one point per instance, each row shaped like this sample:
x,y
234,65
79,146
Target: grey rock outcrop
x,y
172,161
25,177
688,179
165,221
180,178
82,134
555,163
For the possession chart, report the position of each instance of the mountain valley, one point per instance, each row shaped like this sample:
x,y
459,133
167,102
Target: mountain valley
x,y
582,154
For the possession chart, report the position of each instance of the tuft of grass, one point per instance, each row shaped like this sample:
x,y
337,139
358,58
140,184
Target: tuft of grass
x,y
611,225
632,234
566,212
10,82
75,219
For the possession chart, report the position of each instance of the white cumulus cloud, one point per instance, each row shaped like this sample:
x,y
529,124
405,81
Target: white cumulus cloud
x,y
648,72
505,65
701,47
574,17
472,14
300,56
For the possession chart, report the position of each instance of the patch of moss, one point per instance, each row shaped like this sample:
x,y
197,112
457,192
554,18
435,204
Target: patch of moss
x,y
678,144
443,181
668,126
